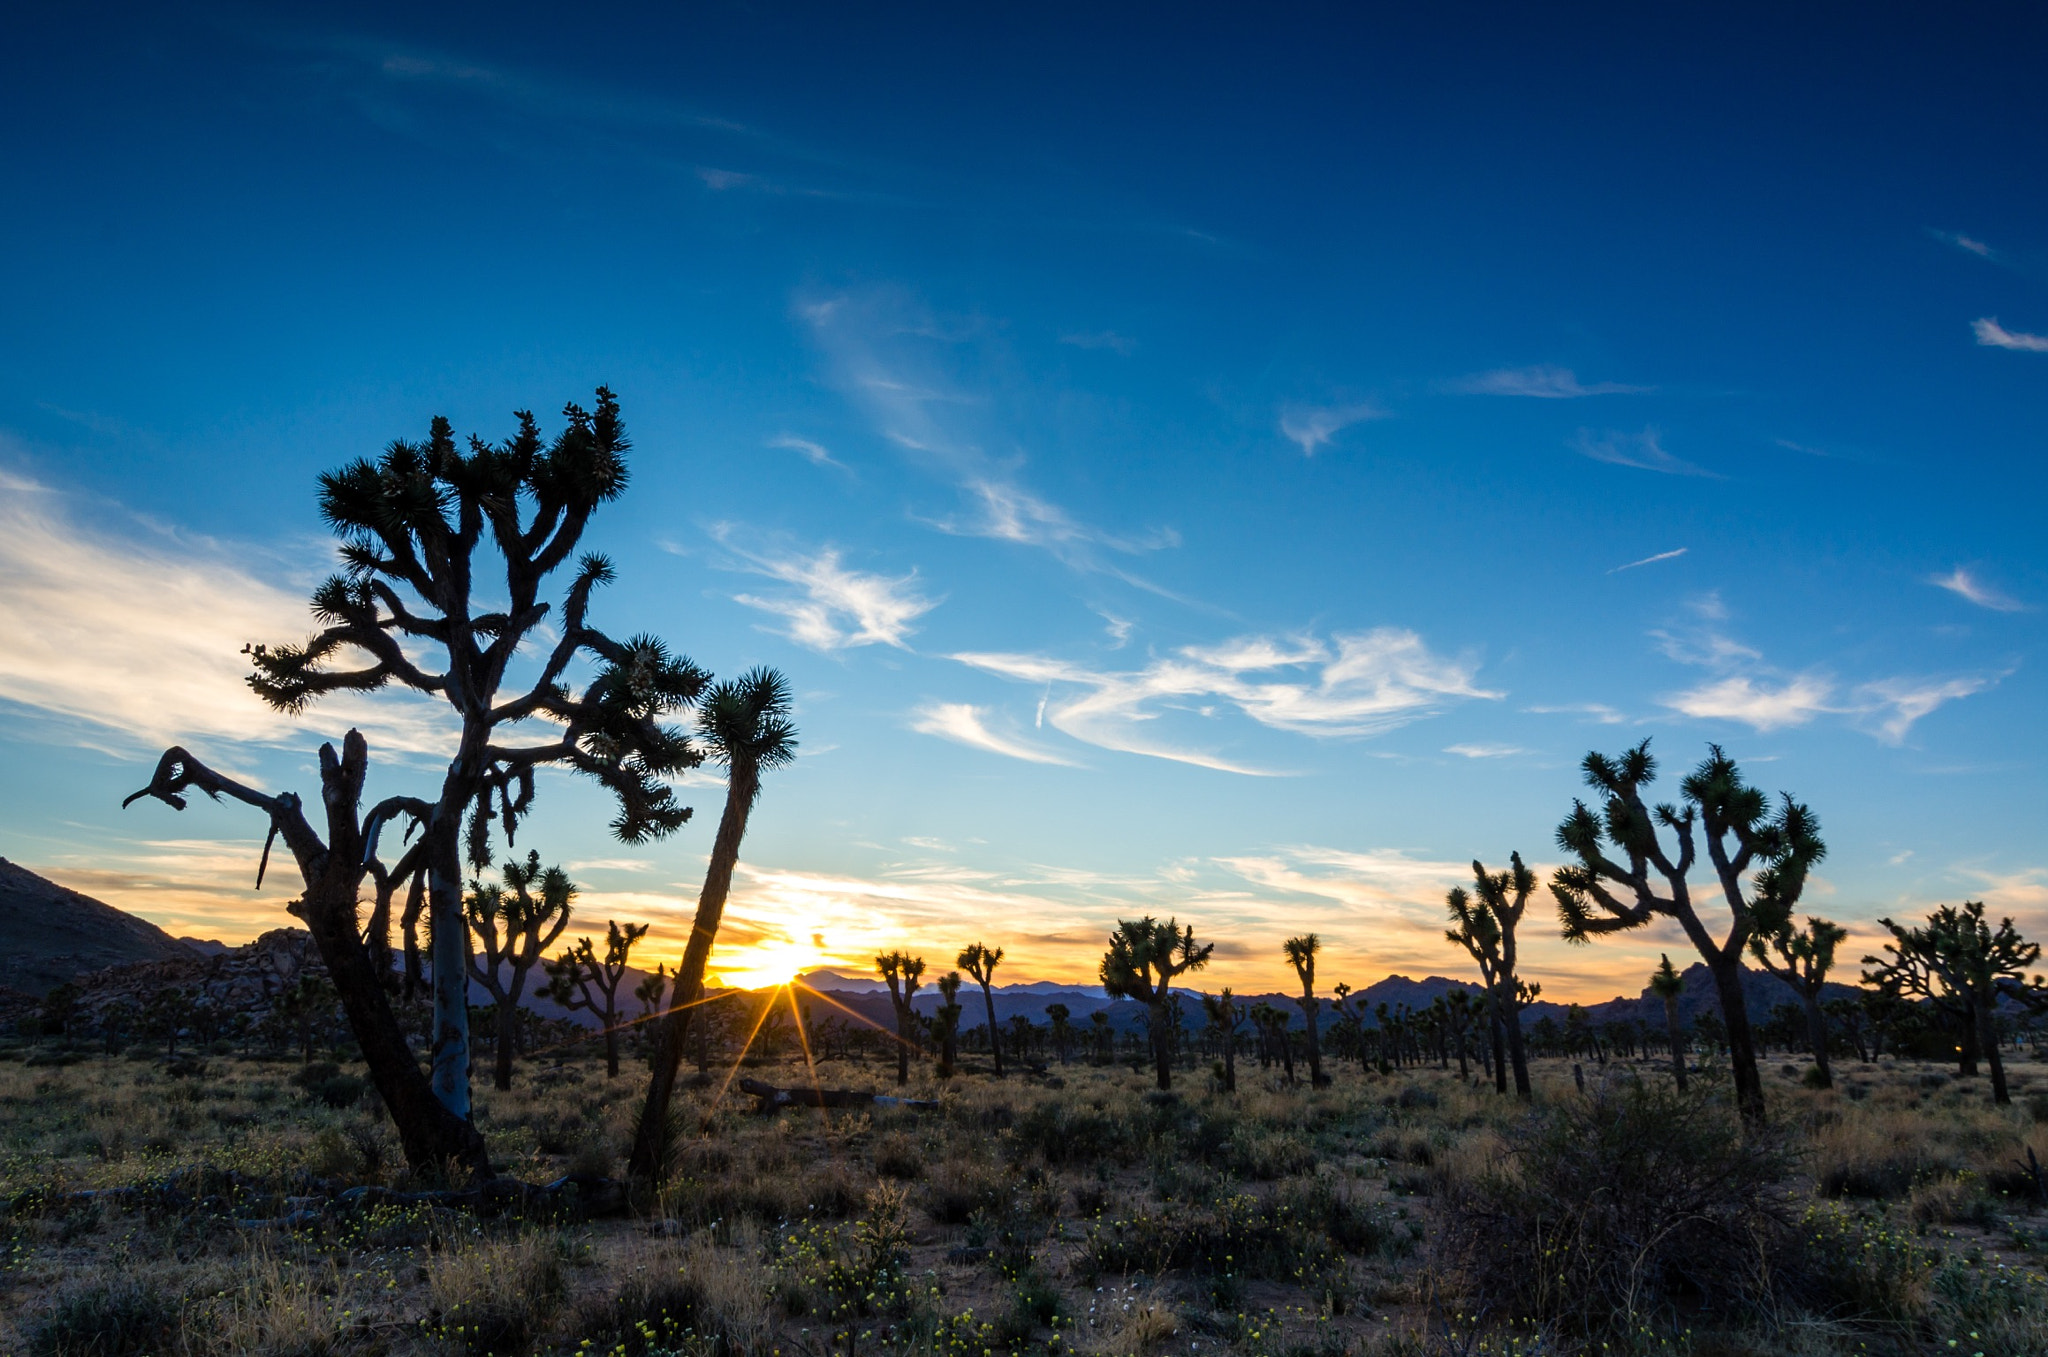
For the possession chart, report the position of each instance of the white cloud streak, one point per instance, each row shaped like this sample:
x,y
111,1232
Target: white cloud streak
x,y
1643,451
140,631
814,453
1651,560
1543,382
1352,685
833,608
1484,751
1992,335
1313,426
968,725
1964,583
1756,703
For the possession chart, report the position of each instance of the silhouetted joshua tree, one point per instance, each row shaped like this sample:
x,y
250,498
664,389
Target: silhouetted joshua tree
x,y
1143,959
1739,835
1959,961
1667,984
1062,1030
1301,954
412,524
980,961
580,979
744,724
513,927
1486,921
1802,960
650,990
1271,1023
902,972
947,1023
1456,1022
1224,1014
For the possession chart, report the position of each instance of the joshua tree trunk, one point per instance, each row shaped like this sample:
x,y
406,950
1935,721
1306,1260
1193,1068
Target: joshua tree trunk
x,y
672,1028
1162,1050
903,1012
1817,1037
1967,1045
1987,1038
1315,1053
1677,1040
508,1037
1726,969
995,1048
1229,1060
448,944
1499,1048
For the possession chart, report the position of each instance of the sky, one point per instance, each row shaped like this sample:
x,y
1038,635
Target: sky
x,y
1213,461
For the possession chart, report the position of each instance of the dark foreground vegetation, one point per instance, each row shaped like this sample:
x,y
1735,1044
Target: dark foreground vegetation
x,y
1071,1211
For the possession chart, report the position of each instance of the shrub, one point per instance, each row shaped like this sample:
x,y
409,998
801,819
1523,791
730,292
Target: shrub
x,y
899,1156
960,1187
1616,1206
497,1298
105,1320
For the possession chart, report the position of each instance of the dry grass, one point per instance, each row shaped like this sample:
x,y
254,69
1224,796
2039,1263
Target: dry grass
x,y
772,1239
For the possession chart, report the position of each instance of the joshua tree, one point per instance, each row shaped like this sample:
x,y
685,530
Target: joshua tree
x,y
1099,1020
650,989
745,725
1271,1023
1486,921
1057,1015
1667,984
980,961
1457,1024
1739,835
513,927
1959,961
1301,954
1224,1014
1144,957
578,979
947,1021
1802,961
411,525
902,971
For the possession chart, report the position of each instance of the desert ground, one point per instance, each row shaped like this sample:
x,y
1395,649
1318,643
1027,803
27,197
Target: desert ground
x,y
1075,1210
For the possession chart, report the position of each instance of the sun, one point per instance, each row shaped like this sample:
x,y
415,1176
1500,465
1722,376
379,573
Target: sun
x,y
765,965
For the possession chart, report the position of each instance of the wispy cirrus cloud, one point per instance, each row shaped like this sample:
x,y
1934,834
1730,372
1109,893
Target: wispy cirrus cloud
x,y
1992,335
830,607
1964,583
814,453
1746,690
1103,339
1644,451
137,631
1350,685
1544,382
1314,426
897,362
1967,244
1484,751
968,725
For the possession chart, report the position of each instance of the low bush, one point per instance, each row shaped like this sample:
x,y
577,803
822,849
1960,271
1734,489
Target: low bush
x,y
107,1319
1617,1208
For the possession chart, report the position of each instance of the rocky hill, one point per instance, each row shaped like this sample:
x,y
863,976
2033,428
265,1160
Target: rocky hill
x,y
50,934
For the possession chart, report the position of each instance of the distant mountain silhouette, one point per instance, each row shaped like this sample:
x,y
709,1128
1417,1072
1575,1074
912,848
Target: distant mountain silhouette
x,y
50,934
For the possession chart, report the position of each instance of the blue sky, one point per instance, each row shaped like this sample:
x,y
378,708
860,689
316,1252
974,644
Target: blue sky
x,y
1210,462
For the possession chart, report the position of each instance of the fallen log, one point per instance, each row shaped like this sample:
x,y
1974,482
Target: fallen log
x,y
772,1097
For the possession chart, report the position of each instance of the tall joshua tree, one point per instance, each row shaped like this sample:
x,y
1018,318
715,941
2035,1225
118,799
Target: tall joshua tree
x,y
1301,954
948,1019
1225,1013
579,978
1667,984
980,961
1801,959
1597,895
903,972
1144,958
1485,921
404,610
512,927
1958,959
744,724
